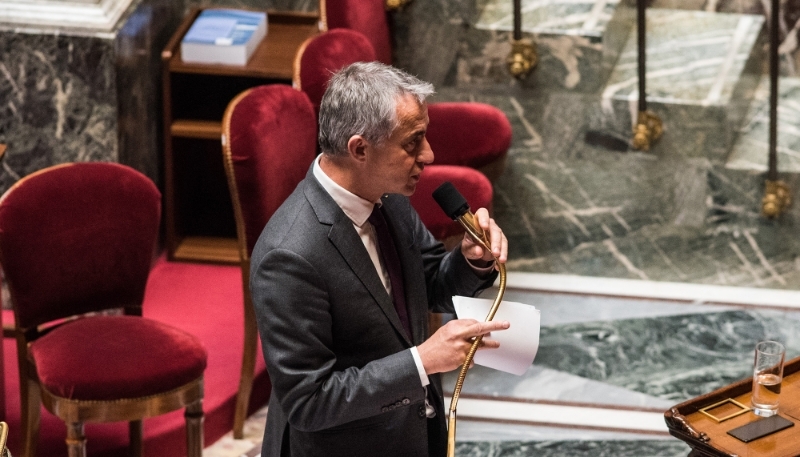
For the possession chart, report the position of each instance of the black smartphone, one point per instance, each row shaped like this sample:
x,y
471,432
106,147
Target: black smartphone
x,y
760,428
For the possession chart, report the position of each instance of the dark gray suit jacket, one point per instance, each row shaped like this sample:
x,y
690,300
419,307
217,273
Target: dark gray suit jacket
x,y
344,383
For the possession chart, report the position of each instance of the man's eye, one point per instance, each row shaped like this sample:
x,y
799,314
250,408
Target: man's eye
x,y
412,145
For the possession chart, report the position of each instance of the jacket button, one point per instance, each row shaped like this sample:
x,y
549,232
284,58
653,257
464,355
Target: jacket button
x,y
384,409
421,411
406,401
398,404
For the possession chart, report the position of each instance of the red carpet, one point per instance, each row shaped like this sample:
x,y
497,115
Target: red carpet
x,y
205,300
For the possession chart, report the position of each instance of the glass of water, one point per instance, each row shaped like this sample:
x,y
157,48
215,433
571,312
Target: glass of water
x,y
767,377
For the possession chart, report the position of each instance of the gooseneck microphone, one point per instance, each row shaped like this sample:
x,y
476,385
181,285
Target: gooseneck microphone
x,y
456,207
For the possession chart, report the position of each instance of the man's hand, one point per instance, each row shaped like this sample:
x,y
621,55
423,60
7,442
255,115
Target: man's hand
x,y
447,349
497,240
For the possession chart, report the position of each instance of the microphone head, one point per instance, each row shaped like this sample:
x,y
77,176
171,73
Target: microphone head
x,y
450,200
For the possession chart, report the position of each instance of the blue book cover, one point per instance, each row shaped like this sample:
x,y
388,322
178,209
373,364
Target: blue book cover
x,y
236,32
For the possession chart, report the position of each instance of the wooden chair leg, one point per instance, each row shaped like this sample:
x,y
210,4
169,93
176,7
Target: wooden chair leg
x,y
76,440
194,429
248,368
31,398
136,437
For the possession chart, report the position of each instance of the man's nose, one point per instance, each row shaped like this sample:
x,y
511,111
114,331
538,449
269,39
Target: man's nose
x,y
426,155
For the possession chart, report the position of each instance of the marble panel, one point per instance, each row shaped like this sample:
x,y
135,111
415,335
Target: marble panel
x,y
84,96
702,69
789,33
573,207
673,358
428,36
639,448
751,151
577,42
474,430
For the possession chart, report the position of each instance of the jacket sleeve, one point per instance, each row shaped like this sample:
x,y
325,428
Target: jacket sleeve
x,y
446,273
292,309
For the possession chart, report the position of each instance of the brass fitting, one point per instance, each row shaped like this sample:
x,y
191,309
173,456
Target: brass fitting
x,y
777,198
522,58
392,5
647,131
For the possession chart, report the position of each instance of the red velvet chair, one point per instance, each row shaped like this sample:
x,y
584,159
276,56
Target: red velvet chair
x,y
476,135
76,243
269,142
326,53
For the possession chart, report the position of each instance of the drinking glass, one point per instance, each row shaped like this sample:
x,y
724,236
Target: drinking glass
x,y
767,377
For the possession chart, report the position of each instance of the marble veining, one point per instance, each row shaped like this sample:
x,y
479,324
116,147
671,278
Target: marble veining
x,y
751,150
569,206
577,42
789,18
68,97
692,57
674,358
655,448
587,17
702,69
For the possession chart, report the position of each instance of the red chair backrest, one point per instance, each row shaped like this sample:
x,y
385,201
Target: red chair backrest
x,y
365,16
271,135
327,53
78,238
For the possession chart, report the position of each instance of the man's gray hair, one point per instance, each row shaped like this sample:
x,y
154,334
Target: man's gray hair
x,y
361,99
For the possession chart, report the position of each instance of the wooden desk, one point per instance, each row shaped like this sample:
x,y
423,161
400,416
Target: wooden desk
x,y
706,437
198,212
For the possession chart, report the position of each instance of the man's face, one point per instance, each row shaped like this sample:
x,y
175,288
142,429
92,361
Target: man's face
x,y
396,164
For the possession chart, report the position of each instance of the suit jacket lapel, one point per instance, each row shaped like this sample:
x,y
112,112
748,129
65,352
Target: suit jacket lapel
x,y
344,237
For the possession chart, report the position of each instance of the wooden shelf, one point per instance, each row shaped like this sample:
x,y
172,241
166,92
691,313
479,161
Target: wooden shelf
x,y
210,130
198,213
273,58
208,249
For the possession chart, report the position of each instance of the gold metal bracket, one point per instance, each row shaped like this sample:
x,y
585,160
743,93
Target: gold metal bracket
x,y
777,198
392,5
522,58
742,409
648,130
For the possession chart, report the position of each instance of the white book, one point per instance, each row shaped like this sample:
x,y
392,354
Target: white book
x,y
224,36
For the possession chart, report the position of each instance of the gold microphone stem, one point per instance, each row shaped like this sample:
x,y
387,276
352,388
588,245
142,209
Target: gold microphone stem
x,y
475,231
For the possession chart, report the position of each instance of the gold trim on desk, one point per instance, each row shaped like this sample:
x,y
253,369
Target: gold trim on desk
x,y
742,409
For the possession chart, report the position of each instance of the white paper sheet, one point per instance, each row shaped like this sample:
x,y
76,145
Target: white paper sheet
x,y
518,344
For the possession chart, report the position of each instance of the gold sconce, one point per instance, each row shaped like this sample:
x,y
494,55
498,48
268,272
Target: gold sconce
x,y
777,198
522,58
647,131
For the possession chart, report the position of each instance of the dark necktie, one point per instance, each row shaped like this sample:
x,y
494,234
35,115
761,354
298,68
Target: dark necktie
x,y
391,261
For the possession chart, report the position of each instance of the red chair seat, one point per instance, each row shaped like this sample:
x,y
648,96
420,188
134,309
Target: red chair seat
x,y
467,133
473,185
71,364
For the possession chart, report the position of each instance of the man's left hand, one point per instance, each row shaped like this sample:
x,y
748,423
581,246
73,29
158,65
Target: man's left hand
x,y
498,242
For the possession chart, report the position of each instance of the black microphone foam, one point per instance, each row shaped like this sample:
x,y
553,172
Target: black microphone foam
x,y
450,200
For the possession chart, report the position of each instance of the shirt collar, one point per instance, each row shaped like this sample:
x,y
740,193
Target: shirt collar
x,y
355,207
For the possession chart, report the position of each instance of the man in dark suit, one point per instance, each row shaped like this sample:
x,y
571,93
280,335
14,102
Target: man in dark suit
x,y
342,314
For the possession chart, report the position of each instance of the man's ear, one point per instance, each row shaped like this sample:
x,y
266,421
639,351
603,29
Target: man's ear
x,y
357,148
